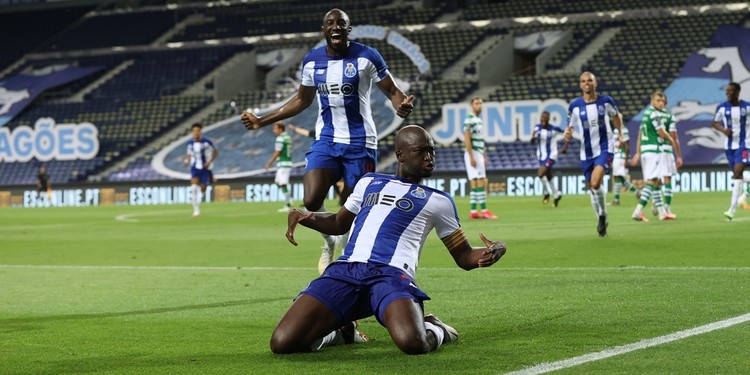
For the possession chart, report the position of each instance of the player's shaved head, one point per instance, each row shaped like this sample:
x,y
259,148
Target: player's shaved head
x,y
587,83
410,135
415,151
587,73
341,14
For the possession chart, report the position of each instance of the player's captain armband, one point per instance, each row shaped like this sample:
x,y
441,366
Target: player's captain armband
x,y
455,239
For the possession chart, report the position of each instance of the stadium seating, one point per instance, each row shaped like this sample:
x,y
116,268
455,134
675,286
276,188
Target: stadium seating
x,y
583,33
521,8
265,18
136,106
18,38
121,29
131,109
629,77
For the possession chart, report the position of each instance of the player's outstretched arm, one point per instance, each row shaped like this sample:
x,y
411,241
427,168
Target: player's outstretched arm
x,y
401,103
295,105
325,222
468,257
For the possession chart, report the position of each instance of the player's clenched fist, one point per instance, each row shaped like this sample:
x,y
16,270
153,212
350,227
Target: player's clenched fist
x,y
568,133
250,121
405,108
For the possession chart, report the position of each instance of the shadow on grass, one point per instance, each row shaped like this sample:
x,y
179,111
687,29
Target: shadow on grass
x,y
26,323
382,357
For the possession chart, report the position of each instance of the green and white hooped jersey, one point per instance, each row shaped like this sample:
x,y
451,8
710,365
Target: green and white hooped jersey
x,y
474,125
670,125
620,153
652,121
284,145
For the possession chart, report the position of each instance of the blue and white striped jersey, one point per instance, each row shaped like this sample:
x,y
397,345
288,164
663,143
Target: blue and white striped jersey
x,y
343,86
200,152
393,220
734,117
546,147
592,120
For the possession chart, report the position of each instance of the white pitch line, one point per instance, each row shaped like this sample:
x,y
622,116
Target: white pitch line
x,y
179,214
155,268
35,226
130,218
546,367
628,268
249,268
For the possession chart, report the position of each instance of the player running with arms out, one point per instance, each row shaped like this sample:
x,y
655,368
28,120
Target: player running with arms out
x,y
731,119
595,116
545,138
341,74
649,153
201,154
475,159
282,152
376,277
619,165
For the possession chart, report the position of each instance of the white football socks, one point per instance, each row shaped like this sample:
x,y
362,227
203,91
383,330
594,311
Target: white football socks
x,y
439,334
196,197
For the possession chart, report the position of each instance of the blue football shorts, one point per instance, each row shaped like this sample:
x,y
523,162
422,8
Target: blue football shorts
x,y
349,162
355,290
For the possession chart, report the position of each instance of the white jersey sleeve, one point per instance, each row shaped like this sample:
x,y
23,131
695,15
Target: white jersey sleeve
x,y
446,222
719,115
354,201
307,74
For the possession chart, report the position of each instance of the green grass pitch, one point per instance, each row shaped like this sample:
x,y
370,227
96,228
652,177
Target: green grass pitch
x,y
152,290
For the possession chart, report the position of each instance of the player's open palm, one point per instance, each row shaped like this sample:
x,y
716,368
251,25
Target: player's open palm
x,y
495,250
295,216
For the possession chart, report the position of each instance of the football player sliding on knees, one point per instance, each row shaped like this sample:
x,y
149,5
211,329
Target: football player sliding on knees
x,y
390,217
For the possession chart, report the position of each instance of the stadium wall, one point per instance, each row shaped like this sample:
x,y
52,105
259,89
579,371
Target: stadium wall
x,y
507,183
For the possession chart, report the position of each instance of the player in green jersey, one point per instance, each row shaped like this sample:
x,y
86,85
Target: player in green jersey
x,y
671,157
282,152
649,133
476,162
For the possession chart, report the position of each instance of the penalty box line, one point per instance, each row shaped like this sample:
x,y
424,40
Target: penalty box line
x,y
546,367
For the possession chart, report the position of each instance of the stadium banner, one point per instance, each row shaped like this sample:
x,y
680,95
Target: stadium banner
x,y
507,121
694,95
48,140
18,91
512,184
